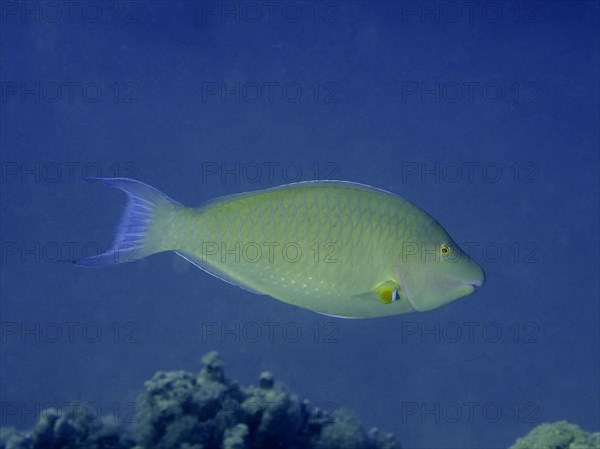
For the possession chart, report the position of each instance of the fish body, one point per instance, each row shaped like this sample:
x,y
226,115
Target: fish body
x,y
334,247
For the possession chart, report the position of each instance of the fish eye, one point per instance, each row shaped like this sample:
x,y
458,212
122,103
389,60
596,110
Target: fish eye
x,y
444,250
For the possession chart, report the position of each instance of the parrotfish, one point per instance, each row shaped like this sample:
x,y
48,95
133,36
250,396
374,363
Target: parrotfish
x,y
335,247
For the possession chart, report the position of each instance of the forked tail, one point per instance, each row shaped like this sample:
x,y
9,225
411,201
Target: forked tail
x,y
144,225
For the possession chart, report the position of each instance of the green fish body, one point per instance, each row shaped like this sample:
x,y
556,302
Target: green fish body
x,y
334,247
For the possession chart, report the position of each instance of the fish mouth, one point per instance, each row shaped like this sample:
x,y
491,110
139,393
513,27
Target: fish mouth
x,y
479,280
473,285
477,283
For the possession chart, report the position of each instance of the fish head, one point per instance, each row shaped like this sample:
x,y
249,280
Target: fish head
x,y
433,272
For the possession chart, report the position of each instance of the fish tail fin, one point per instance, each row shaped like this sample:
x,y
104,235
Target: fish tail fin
x,y
144,225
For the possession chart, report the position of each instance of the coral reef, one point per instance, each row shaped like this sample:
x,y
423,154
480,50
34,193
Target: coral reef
x,y
70,430
181,410
558,435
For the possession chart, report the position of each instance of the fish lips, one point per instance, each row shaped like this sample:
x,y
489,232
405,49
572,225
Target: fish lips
x,y
474,285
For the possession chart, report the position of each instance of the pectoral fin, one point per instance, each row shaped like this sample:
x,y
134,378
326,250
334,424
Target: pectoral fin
x,y
387,292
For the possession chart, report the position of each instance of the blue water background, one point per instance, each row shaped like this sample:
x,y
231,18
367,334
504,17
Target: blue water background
x,y
384,100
